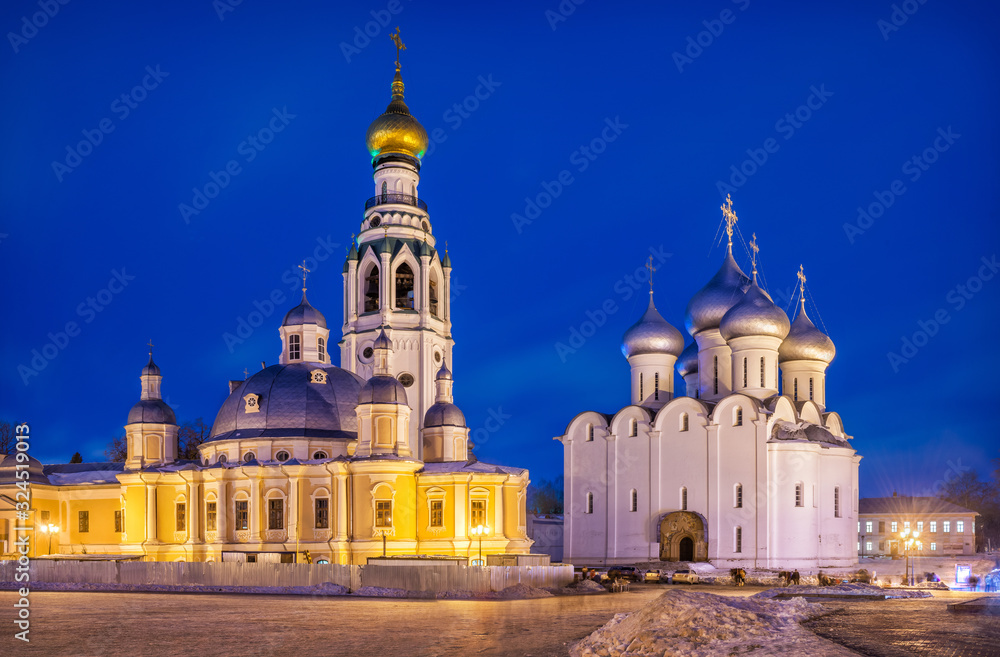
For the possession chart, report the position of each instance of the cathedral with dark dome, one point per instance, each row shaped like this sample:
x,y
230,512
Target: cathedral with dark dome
x,y
307,459
747,468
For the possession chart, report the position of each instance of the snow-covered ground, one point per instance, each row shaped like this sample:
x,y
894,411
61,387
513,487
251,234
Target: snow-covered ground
x,y
843,589
693,624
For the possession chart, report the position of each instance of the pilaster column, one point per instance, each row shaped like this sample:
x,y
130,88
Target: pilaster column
x,y
194,512
221,512
293,507
255,509
341,508
150,514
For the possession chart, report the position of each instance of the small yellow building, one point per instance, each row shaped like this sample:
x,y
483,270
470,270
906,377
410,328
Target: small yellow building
x,y
343,462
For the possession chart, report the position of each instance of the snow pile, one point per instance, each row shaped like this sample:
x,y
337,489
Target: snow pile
x,y
385,592
842,589
521,592
587,585
324,589
701,624
805,432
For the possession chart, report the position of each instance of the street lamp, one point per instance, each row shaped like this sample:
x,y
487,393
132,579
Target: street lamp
x,y
49,529
908,540
385,530
479,530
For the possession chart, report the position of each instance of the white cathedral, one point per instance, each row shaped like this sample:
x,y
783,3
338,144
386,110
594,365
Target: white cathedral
x,y
749,468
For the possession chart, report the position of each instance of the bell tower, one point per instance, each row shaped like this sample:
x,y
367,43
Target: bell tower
x,y
395,277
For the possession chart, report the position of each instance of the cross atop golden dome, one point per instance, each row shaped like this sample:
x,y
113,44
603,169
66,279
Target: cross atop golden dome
x,y
396,131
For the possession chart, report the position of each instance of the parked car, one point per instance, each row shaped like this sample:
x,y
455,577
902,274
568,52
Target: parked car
x,y
685,577
655,575
626,572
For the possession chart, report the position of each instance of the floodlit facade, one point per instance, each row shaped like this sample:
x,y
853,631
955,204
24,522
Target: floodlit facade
x,y
748,468
941,528
342,462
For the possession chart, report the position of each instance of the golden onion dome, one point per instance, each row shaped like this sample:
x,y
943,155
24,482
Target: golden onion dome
x,y
396,130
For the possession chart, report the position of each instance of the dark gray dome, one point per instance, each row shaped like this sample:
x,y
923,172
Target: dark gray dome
x,y
710,303
292,404
304,313
688,361
8,471
382,341
652,335
382,389
154,411
754,314
151,368
806,342
444,414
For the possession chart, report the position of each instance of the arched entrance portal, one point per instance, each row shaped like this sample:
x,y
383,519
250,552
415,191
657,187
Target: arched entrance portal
x,y
686,549
682,537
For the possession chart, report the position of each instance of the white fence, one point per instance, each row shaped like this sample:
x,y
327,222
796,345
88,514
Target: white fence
x,y
436,578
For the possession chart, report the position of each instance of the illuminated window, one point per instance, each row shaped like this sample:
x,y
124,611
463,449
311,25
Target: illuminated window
x,y
276,514
920,525
933,547
242,514
684,498
437,513
868,546
322,513
633,500
739,539
321,346
933,526
179,524
799,494
960,526
739,496
118,522
894,527
590,503
211,516
383,513
868,526
906,526
294,347
404,287
83,520
478,514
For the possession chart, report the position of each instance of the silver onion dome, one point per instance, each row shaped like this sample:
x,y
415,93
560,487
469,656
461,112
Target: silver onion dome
x,y
710,303
444,414
444,373
652,335
754,314
688,361
806,342
304,313
382,389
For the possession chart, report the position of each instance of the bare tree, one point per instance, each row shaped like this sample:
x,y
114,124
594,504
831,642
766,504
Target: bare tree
x,y
117,450
8,439
189,436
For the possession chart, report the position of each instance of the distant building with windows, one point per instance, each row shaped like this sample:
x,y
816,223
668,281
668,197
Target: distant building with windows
x,y
749,468
943,528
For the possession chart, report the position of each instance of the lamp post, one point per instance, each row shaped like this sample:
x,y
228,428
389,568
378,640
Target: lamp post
x,y
385,530
862,546
908,540
49,529
479,530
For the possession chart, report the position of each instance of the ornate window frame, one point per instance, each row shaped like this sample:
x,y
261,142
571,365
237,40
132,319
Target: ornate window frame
x,y
378,496
435,494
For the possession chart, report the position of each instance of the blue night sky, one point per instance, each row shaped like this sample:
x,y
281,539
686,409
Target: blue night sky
x,y
104,223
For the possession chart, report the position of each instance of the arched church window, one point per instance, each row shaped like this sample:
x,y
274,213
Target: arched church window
x,y
385,192
413,192
590,503
294,347
799,494
795,388
684,421
590,433
744,372
434,295
738,416
836,502
282,456
684,498
810,388
371,289
321,347
738,544
249,456
761,371
656,386
319,455
404,286
738,502
633,504
223,458
641,394
633,428
716,367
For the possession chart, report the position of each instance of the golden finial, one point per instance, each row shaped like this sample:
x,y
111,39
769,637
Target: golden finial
x,y
651,268
754,249
245,373
446,247
304,272
730,218
802,286
399,44
150,343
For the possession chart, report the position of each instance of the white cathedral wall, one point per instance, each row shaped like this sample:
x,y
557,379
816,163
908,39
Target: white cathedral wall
x,y
586,468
